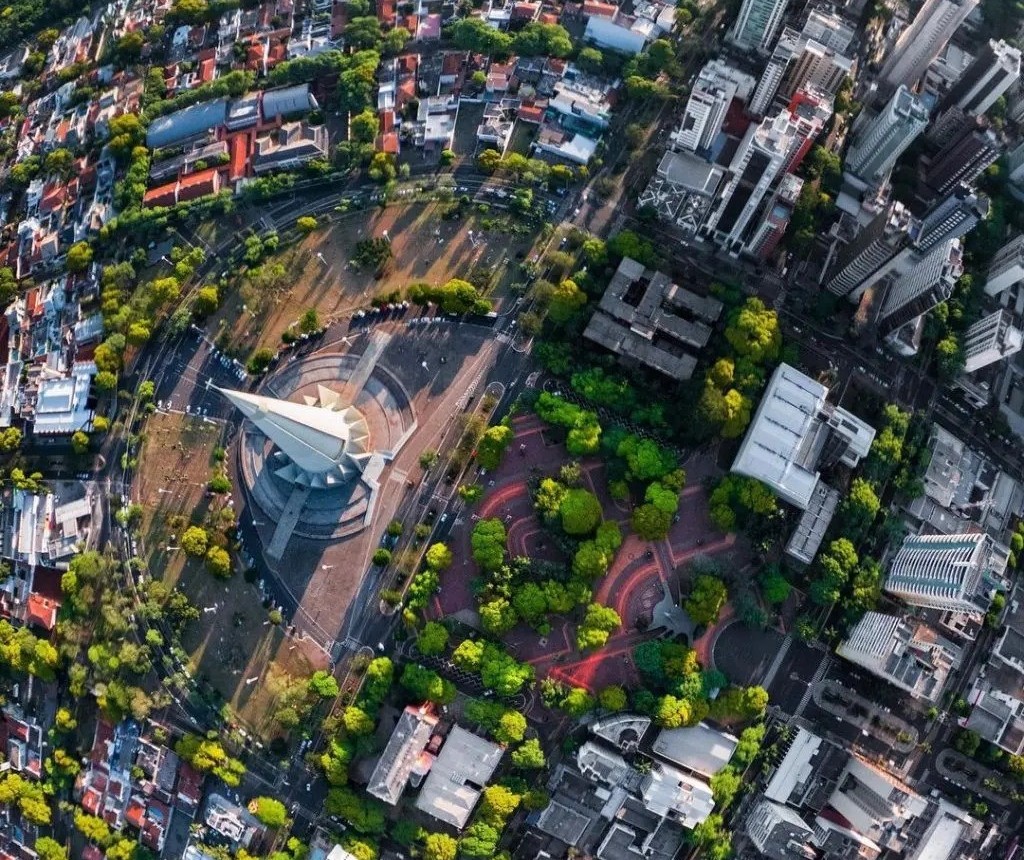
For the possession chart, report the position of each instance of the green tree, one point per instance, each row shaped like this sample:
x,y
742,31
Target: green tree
x,y
323,684
566,301
707,597
967,742
511,727
218,562
488,543
650,522
271,812
50,849
613,698
497,616
433,639
579,511
424,684
357,721
79,442
79,257
439,557
195,541
378,678
492,446
439,846
598,623
753,331
529,756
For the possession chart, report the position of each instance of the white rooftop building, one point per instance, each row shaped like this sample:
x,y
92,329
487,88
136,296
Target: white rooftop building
x,y
672,794
954,572
906,653
796,431
458,775
991,339
402,755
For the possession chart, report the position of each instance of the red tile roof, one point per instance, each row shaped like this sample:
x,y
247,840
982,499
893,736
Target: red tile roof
x,y
41,611
199,184
162,195
91,801
388,143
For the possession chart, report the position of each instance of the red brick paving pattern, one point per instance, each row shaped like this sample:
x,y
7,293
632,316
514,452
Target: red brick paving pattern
x,y
632,585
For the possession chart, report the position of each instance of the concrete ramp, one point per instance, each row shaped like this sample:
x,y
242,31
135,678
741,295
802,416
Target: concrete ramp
x,y
367,361
289,519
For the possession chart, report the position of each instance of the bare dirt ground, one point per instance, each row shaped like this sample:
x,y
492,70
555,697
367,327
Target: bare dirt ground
x,y
425,247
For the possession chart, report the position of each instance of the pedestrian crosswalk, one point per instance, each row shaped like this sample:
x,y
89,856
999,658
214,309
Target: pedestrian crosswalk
x,y
823,668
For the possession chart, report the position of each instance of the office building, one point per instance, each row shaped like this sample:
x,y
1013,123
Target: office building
x,y
772,226
794,433
905,652
921,42
682,190
1007,267
712,94
963,160
779,833
991,339
924,285
950,218
992,73
868,256
884,138
954,572
757,24
758,161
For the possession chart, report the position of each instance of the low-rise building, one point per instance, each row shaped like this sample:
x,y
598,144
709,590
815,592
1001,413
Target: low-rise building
x,y
457,776
645,318
794,433
403,755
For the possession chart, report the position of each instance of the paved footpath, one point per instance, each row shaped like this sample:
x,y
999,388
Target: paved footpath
x,y
634,582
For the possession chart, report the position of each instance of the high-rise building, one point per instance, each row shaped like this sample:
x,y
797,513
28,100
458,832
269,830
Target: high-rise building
x,y
867,257
758,161
799,60
817,66
809,110
943,572
991,339
921,42
1015,164
906,653
758,23
963,160
883,139
951,218
826,27
713,91
991,74
924,285
1007,267
778,64
776,218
